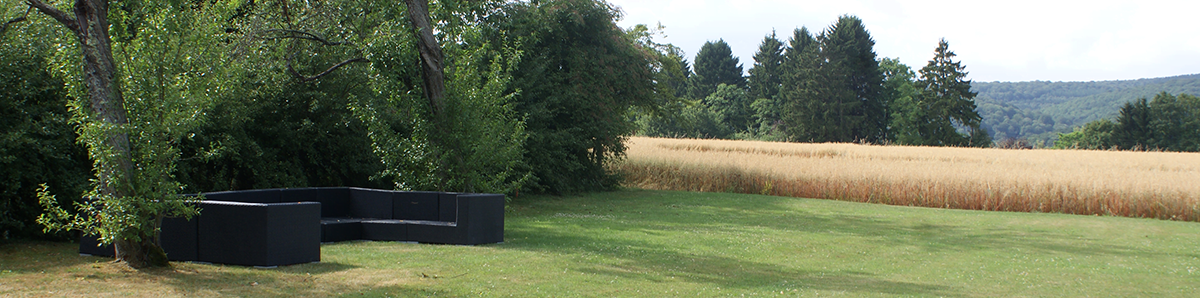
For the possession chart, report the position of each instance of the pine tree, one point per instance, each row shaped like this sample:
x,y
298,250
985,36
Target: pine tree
x,y
1133,125
801,110
768,63
715,65
855,83
832,86
948,103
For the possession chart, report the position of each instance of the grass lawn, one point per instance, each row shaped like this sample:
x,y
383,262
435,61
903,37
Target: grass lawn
x,y
660,243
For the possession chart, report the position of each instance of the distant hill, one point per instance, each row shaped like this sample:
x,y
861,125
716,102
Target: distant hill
x,y
1039,110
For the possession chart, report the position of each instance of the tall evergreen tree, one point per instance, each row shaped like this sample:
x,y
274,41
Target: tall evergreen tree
x,y
715,65
948,103
768,63
1133,125
800,111
833,86
856,81
802,41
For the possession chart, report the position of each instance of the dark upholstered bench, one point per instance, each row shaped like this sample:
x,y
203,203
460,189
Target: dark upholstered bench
x,y
270,227
239,233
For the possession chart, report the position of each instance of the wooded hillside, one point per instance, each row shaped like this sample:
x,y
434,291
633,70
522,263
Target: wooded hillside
x,y
1040,110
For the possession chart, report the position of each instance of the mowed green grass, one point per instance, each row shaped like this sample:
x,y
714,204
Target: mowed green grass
x,y
639,243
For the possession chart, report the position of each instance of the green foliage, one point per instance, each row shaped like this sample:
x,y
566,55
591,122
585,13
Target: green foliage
x,y
945,105
765,76
715,65
37,141
1094,135
486,139
900,89
732,104
833,86
851,66
288,135
721,115
1176,122
1167,122
799,83
578,77
765,81
166,73
1007,122
1040,110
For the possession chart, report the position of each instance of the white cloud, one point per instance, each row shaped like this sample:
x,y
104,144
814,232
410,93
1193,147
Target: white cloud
x,y
996,40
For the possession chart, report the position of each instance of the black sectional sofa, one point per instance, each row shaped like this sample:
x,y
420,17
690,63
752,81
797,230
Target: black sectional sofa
x,y
271,227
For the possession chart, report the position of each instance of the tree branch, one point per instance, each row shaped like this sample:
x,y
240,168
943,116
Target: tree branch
x,y
297,34
323,73
60,16
21,18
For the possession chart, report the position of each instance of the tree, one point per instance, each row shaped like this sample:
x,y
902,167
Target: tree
x,y
578,79
37,141
797,100
832,87
1133,126
1176,122
853,75
133,190
899,88
715,65
1094,135
764,77
731,104
947,103
765,81
1167,122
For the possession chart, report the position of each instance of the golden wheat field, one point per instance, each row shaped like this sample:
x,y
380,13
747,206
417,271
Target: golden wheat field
x,y
1161,185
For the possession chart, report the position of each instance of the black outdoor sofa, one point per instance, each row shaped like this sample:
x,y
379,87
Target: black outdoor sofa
x,y
272,227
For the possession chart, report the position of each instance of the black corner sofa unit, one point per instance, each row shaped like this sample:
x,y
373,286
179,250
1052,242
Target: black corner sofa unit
x,y
271,227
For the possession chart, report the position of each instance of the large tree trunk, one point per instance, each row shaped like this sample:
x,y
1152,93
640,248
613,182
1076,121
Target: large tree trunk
x,y
431,55
434,77
90,25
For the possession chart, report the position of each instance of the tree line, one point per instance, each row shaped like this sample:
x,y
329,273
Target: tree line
x,y
828,87
1167,122
1038,111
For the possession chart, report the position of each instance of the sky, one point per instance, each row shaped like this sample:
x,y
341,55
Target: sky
x,y
1012,41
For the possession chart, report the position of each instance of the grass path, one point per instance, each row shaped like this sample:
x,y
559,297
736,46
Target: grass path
x,y
641,243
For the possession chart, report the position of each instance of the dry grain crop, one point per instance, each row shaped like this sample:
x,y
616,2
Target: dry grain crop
x,y
1162,185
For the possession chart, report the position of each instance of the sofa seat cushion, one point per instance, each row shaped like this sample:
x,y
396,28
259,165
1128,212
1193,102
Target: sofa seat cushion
x,y
341,229
385,230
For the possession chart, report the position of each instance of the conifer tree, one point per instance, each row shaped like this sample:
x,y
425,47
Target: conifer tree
x,y
855,81
801,112
768,63
715,65
948,103
832,87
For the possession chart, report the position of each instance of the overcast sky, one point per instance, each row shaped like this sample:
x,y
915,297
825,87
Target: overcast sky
x,y
997,40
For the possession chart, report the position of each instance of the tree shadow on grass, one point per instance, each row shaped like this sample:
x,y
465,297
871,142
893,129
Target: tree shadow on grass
x,y
641,260
670,214
34,256
298,280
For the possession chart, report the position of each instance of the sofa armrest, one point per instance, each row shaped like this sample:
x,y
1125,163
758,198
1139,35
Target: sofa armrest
x,y
257,234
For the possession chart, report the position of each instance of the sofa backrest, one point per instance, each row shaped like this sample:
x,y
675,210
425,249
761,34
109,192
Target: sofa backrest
x,y
356,202
246,196
335,201
370,203
415,205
